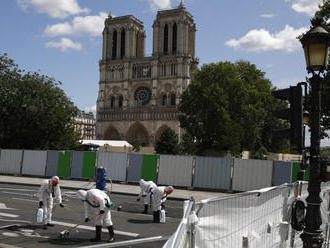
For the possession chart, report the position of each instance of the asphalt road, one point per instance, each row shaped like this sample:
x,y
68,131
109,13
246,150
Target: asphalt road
x,y
18,205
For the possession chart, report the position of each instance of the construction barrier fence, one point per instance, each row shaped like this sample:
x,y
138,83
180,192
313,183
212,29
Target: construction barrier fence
x,y
228,174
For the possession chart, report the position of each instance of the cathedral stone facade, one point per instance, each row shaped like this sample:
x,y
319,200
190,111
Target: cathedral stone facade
x,y
138,95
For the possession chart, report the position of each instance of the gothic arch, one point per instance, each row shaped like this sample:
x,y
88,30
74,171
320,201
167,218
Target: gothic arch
x,y
112,134
112,102
174,38
122,43
160,131
137,132
120,101
163,99
166,39
114,44
173,99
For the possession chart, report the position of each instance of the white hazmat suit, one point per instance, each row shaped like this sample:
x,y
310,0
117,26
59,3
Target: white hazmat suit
x,y
158,197
98,202
146,187
49,190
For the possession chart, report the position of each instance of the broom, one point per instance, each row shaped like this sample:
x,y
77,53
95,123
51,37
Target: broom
x,y
66,233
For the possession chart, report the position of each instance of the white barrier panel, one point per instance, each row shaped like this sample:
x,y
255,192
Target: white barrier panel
x,y
175,170
252,219
180,237
34,163
256,218
251,174
10,161
115,164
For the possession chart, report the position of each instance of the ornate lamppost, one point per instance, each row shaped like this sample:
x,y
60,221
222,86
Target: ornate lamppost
x,y
315,43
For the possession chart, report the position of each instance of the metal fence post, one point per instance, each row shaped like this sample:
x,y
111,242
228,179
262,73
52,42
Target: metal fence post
x,y
192,224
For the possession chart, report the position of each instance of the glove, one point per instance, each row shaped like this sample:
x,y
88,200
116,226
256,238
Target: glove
x,y
101,211
61,205
40,204
109,204
86,219
138,199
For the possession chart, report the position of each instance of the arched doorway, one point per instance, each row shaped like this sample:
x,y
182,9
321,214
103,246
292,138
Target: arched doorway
x,y
160,131
138,133
112,134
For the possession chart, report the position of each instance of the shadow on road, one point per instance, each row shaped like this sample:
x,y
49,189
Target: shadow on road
x,y
65,241
134,221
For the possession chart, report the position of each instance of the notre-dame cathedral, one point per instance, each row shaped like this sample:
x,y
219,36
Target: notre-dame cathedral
x,y
138,95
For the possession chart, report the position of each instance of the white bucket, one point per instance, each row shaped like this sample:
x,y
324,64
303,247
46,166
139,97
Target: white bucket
x,y
162,216
40,215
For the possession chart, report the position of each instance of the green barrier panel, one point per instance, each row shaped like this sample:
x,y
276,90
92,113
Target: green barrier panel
x,y
63,168
296,167
149,167
306,177
89,162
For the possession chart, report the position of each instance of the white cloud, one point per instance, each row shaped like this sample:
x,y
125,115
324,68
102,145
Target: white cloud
x,y
91,25
308,7
159,4
64,44
91,109
54,8
267,15
263,40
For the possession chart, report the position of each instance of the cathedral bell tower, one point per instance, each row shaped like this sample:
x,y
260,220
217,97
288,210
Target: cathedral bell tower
x,y
174,33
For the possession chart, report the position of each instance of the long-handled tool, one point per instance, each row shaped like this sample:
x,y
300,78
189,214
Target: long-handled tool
x,y
66,233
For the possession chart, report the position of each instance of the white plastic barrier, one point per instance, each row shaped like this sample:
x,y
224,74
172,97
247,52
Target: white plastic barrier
x,y
180,237
10,161
115,164
254,219
34,163
251,174
175,170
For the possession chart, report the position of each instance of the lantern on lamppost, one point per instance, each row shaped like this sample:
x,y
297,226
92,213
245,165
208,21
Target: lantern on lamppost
x,y
315,43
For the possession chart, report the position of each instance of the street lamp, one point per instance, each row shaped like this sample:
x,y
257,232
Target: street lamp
x,y
315,43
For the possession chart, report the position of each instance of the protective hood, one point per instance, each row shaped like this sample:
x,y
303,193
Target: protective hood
x,y
142,182
82,194
168,189
55,180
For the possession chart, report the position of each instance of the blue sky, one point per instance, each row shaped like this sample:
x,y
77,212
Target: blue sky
x,y
62,38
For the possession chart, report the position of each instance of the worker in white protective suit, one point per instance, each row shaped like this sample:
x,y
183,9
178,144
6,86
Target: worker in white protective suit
x,y
49,190
145,193
99,202
158,198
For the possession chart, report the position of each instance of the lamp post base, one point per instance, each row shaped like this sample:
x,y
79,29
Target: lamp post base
x,y
312,240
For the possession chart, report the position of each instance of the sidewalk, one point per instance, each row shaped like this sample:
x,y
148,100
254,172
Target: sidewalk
x,y
178,194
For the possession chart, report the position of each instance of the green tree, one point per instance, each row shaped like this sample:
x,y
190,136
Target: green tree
x,y
324,11
167,142
187,145
35,112
136,146
228,107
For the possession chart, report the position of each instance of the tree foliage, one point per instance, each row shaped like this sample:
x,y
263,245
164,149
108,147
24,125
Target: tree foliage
x,y
136,146
167,142
228,107
187,145
35,112
324,11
